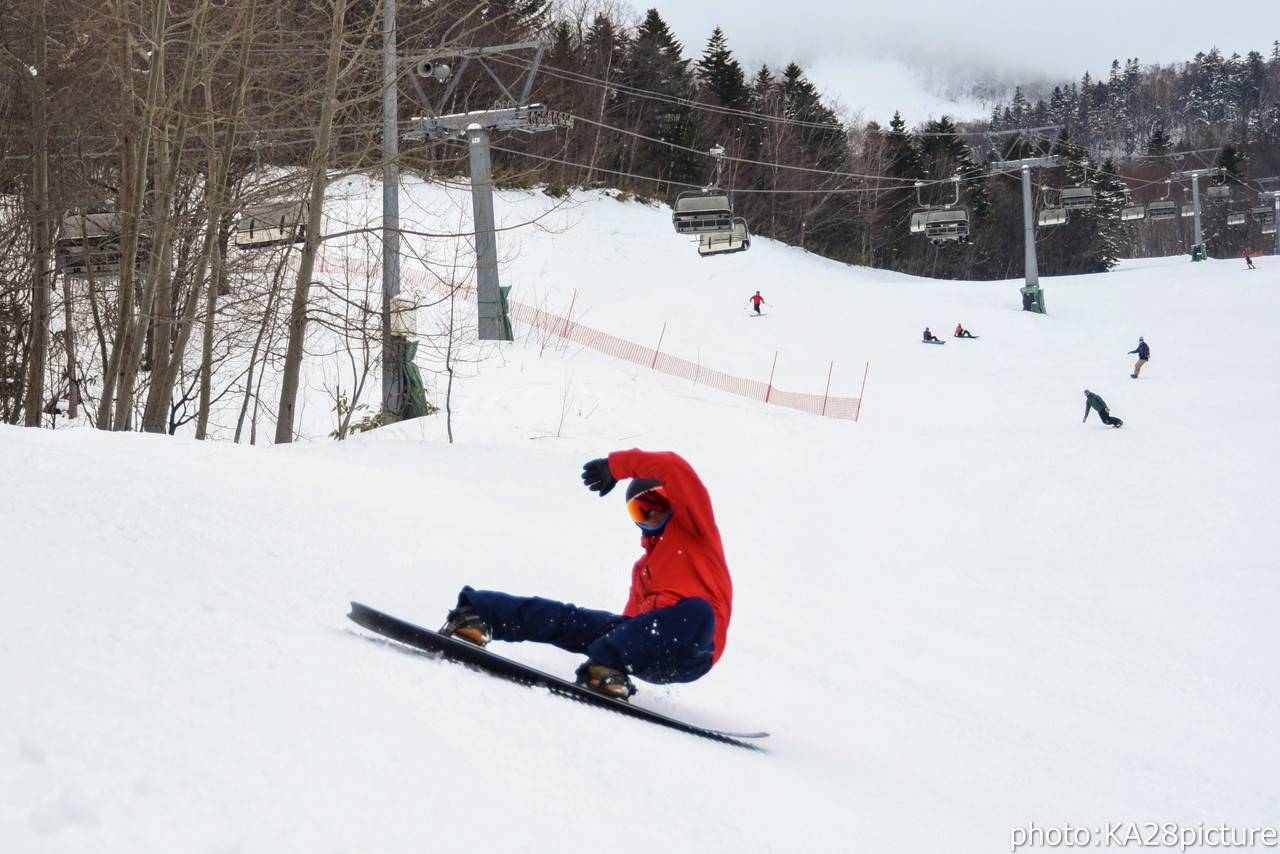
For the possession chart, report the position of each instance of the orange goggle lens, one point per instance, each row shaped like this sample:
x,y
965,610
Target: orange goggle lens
x,y
646,503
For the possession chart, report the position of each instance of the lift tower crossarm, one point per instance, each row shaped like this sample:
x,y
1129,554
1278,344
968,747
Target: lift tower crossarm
x,y
516,114
1029,163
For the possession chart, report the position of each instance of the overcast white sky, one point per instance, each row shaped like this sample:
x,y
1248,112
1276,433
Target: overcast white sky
x,y
881,57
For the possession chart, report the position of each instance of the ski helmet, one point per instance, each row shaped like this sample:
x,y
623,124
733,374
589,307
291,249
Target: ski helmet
x,y
639,485
636,489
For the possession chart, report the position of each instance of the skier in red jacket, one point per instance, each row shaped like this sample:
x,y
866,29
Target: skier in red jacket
x,y
676,620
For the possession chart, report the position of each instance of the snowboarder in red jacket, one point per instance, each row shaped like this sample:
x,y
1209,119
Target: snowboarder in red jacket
x,y
676,620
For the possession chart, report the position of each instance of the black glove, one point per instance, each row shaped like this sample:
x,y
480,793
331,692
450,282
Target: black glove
x,y
598,478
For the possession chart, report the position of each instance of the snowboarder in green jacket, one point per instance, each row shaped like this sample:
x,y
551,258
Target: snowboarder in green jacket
x,y
1093,401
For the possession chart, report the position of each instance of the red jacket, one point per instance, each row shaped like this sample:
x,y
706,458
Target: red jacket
x,y
687,559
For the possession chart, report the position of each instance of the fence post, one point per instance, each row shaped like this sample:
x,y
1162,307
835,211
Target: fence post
x,y
569,316
768,392
827,393
655,352
857,410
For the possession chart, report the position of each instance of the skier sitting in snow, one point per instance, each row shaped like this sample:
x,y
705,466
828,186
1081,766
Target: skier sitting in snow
x,y
676,619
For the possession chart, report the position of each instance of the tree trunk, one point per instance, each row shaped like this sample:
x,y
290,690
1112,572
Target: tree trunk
x,y
165,373
117,385
286,414
39,347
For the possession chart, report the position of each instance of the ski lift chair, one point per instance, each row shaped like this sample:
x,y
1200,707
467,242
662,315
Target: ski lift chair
x,y
946,224
1189,210
1051,216
99,262
275,224
725,243
1076,197
1162,209
1219,191
90,243
1133,213
1264,215
702,212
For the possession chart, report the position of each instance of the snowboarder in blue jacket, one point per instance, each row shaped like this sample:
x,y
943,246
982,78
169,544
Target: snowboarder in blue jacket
x,y
1144,353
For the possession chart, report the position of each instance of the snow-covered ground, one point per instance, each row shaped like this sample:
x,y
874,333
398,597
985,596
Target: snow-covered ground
x,y
965,615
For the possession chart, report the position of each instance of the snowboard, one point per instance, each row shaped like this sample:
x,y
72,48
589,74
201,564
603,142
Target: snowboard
x,y
480,658
970,337
934,341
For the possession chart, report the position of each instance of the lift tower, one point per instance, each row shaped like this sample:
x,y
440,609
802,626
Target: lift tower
x,y
1198,249
513,112
1269,191
1032,294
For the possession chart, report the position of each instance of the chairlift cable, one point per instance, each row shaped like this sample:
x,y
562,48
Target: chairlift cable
x,y
660,97
685,185
903,182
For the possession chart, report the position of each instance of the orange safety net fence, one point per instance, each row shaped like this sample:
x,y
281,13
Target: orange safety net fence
x,y
843,408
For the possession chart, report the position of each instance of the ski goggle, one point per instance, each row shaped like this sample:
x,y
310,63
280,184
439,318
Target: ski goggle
x,y
640,506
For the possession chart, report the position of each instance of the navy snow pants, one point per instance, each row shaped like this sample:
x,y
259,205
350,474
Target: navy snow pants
x,y
673,644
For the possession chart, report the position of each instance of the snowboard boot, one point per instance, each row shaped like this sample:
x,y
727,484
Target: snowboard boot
x,y
1135,376
604,680
465,624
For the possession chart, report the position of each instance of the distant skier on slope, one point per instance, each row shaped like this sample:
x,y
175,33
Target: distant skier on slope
x,y
1249,262
1093,401
757,300
676,620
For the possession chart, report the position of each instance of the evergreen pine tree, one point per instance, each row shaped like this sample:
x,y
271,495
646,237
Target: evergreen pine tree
x,y
603,49
722,75
661,108
1158,143
944,154
725,84
1089,243
815,139
893,245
